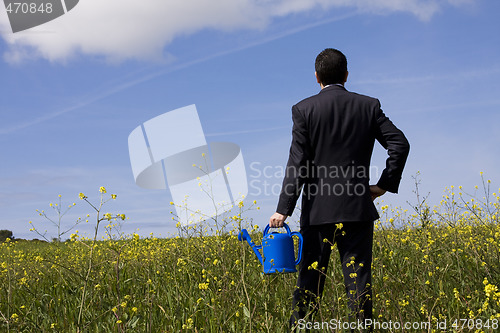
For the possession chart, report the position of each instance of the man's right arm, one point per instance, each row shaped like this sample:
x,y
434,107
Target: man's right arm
x,y
398,148
376,191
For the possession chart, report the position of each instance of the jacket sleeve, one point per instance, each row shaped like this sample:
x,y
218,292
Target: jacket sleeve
x,y
398,148
297,166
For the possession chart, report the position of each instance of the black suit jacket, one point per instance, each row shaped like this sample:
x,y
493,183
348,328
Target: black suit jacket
x,y
332,142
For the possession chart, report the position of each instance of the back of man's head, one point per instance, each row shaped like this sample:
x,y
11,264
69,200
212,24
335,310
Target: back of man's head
x,y
331,66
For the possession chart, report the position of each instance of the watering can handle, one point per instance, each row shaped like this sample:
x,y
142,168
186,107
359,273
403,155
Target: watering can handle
x,y
266,230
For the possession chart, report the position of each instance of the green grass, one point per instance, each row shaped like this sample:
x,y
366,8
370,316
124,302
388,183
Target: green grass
x,y
434,266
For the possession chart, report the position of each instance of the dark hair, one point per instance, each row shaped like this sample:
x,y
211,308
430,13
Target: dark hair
x,y
331,66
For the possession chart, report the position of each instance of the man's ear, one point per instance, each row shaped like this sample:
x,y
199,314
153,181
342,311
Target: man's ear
x,y
317,78
346,75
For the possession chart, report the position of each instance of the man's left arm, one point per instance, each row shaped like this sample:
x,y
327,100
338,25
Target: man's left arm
x,y
295,170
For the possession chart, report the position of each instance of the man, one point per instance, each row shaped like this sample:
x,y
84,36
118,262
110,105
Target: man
x,y
332,142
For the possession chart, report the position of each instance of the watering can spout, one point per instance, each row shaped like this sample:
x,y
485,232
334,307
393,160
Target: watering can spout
x,y
244,236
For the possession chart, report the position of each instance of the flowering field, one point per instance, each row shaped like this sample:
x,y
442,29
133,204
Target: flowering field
x,y
430,265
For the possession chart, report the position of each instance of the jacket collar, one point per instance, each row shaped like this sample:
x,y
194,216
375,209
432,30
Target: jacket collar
x,y
333,87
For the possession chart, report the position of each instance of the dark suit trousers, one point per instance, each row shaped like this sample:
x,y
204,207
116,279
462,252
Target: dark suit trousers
x,y
354,242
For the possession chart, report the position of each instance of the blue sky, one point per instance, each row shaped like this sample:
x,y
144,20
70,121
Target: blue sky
x,y
72,90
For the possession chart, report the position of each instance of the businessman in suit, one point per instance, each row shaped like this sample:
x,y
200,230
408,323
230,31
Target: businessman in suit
x,y
333,137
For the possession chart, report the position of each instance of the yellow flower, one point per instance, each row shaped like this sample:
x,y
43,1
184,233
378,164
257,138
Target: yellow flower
x,y
314,265
203,286
82,196
490,289
188,325
113,196
456,293
102,189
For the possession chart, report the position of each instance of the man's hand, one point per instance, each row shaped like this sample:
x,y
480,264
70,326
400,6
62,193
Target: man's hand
x,y
376,191
277,220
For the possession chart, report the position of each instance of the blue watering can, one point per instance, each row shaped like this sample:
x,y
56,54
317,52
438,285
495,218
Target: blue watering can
x,y
278,255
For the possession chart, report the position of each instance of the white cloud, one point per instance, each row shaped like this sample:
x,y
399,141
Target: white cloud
x,y
130,29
